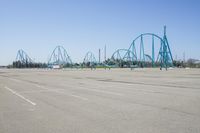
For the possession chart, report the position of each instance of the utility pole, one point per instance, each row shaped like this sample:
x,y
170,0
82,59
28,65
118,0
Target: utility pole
x,y
99,55
184,57
165,30
105,53
176,58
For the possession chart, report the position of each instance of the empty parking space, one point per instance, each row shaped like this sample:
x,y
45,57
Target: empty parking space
x,y
96,101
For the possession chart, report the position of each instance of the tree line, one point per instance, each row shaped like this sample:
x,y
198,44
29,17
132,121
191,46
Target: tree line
x,y
192,63
19,64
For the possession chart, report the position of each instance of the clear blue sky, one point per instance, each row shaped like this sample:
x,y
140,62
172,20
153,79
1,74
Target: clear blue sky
x,y
38,26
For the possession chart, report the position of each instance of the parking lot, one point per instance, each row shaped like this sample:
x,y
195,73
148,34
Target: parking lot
x,y
99,101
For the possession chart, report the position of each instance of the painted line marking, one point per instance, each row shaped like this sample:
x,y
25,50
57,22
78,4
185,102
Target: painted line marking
x,y
16,80
45,88
22,97
102,91
76,96
41,87
26,92
57,91
97,90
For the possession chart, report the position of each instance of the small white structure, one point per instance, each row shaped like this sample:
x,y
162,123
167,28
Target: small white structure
x,y
56,67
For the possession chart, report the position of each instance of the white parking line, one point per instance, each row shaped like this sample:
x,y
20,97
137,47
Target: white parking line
x,y
36,85
45,88
59,92
76,96
22,97
39,91
16,80
103,91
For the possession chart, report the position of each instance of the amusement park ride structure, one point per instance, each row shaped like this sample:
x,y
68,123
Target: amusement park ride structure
x,y
59,57
136,54
140,57
89,59
23,57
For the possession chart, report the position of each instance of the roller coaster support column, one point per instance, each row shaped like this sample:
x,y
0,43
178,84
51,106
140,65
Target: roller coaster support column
x,y
167,55
153,54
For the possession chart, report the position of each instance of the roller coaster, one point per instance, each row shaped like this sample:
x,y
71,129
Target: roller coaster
x,y
123,57
60,57
136,54
23,57
89,60
146,50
